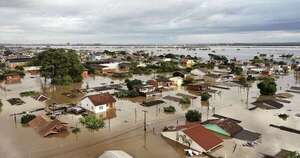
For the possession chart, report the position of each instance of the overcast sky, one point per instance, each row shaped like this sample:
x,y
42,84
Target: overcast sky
x,y
149,21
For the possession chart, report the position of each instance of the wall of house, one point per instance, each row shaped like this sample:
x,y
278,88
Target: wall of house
x,y
173,135
88,105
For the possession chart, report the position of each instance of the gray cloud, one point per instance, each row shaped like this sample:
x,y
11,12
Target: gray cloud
x,y
144,21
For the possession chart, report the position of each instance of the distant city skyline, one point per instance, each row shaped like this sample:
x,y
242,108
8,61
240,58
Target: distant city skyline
x,y
149,22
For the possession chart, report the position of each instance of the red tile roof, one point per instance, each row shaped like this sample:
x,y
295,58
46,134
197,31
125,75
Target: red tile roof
x,y
206,139
46,128
100,99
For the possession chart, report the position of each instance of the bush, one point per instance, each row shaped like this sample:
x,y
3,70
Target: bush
x,y
92,122
185,100
267,86
169,109
237,70
131,84
20,68
193,116
127,93
75,130
27,118
205,96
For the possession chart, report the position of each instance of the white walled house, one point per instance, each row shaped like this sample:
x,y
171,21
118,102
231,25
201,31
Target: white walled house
x,y
195,137
98,103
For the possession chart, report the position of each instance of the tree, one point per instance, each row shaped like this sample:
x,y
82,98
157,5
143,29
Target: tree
x,y
294,154
205,96
20,68
237,70
61,65
92,122
131,84
27,118
185,100
169,109
267,86
193,116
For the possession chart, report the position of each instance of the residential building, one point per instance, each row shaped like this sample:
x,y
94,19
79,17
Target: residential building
x,y
98,103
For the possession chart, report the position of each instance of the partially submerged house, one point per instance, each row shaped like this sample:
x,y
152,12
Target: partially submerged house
x,y
12,78
98,103
195,137
187,62
201,87
225,127
198,73
212,78
176,81
230,128
33,70
46,128
19,60
161,83
268,104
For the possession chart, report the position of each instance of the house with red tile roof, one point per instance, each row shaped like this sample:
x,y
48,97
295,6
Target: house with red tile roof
x,y
196,137
98,103
46,128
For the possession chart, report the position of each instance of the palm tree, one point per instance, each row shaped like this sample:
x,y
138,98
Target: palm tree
x,y
186,140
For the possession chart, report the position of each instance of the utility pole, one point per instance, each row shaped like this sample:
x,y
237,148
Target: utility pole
x,y
247,101
135,115
145,121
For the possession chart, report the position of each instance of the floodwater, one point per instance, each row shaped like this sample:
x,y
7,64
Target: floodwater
x,y
125,131
240,52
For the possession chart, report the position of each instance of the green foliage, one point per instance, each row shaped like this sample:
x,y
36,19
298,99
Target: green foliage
x,y
127,94
131,84
205,96
169,109
122,75
193,116
27,118
218,58
90,69
294,154
92,122
168,66
5,72
20,68
185,100
75,130
267,86
61,65
257,60
29,93
1,104
237,70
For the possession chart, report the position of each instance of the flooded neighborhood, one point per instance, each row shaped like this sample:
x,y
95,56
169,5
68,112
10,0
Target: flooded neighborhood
x,y
234,114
